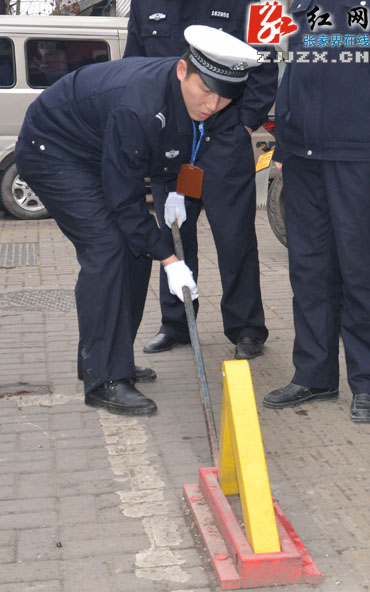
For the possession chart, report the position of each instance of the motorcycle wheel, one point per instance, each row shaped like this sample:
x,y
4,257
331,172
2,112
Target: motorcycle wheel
x,y
275,209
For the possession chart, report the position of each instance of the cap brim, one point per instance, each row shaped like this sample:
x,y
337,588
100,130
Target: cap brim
x,y
228,90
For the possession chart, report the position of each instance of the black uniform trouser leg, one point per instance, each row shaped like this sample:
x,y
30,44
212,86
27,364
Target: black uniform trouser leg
x,y
112,283
229,199
328,221
110,298
174,321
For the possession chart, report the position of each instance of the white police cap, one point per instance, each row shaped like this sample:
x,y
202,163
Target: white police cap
x,y
221,59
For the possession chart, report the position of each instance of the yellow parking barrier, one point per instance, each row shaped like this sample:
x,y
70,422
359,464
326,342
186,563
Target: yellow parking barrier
x,y
242,466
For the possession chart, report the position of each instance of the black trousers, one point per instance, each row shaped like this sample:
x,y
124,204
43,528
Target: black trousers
x,y
229,199
112,283
328,229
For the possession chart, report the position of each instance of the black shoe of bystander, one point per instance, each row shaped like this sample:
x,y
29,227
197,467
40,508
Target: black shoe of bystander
x,y
248,348
144,374
360,408
160,343
295,394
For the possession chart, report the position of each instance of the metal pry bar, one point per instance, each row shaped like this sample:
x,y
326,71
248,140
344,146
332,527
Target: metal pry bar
x,y
197,354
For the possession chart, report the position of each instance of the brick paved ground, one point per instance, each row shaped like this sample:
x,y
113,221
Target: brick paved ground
x,y
93,502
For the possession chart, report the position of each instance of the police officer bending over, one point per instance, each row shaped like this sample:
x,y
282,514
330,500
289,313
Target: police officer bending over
x,y
225,153
86,144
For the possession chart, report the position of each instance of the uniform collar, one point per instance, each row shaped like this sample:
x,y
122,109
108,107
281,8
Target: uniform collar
x,y
182,117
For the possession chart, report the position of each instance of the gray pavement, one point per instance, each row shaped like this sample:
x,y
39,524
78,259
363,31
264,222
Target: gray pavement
x,y
93,502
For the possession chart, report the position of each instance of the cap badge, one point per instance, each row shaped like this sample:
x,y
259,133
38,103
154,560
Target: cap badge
x,y
157,16
239,66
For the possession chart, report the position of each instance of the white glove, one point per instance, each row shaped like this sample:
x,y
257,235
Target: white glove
x,y
174,208
178,276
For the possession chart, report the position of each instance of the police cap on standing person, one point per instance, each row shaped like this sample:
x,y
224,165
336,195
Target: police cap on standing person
x,y
85,146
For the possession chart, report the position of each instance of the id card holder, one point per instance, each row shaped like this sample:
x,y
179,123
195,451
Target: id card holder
x,y
190,181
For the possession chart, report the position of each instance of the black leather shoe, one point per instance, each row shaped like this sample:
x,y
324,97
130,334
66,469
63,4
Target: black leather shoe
x,y
360,408
248,348
294,394
160,343
120,396
144,374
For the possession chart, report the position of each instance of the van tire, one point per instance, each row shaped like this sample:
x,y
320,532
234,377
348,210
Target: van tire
x,y
18,199
276,210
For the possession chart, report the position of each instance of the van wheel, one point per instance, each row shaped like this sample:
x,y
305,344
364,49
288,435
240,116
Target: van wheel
x,y
18,198
275,209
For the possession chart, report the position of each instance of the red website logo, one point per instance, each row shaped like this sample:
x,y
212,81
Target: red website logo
x,y
267,24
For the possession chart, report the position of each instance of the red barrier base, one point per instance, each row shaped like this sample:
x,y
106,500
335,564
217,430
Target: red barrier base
x,y
233,559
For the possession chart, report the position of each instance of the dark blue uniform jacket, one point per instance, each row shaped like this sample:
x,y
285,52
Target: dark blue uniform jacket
x,y
323,109
156,28
126,117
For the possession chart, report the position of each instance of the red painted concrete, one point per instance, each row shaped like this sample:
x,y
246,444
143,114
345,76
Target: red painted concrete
x,y
234,561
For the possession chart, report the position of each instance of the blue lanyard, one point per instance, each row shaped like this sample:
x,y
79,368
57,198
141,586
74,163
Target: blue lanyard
x,y
196,145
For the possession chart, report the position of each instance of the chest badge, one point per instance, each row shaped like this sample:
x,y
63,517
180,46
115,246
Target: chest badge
x,y
220,14
157,16
172,153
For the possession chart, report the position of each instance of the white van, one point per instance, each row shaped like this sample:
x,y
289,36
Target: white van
x,y
34,53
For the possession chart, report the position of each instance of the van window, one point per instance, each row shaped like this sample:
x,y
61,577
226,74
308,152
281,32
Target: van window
x,y
6,63
48,60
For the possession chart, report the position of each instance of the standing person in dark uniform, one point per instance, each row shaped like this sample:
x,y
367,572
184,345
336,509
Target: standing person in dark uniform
x,y
323,133
225,153
86,145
